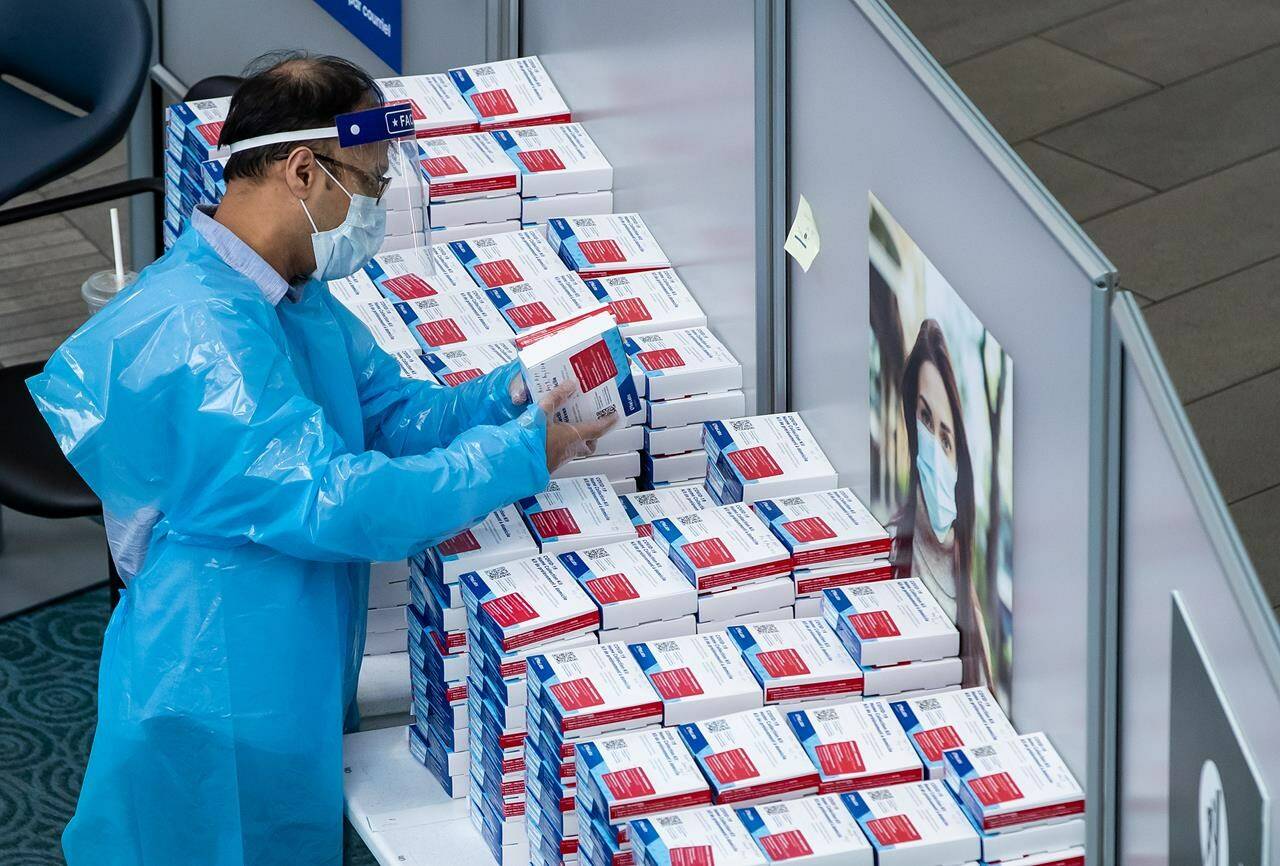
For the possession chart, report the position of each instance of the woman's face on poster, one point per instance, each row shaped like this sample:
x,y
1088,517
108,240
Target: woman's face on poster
x,y
933,410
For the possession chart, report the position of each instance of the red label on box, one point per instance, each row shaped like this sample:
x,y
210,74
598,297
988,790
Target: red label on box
x,y
874,624
545,159
463,542
441,332
510,609
628,310
935,741
498,273
839,759
629,783
210,132
995,789
461,376
782,663
443,166
731,766
753,463
893,830
809,529
785,845
491,103
678,683
418,113
707,553
602,252
693,855
577,694
555,523
660,359
593,366
612,588
408,287
645,530
530,315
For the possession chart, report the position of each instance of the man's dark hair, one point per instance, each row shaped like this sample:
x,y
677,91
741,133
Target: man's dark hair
x,y
290,90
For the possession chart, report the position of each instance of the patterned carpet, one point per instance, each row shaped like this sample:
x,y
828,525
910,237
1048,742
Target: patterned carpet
x,y
48,705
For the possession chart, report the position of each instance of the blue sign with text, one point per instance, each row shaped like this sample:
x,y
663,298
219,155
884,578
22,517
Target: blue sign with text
x,y
376,23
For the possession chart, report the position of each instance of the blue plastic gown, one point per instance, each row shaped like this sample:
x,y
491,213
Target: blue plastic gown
x,y
283,452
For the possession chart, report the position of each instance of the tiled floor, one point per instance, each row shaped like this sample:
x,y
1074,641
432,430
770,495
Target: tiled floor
x,y
1154,123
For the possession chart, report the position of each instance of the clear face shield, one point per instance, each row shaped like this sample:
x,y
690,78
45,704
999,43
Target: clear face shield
x,y
377,163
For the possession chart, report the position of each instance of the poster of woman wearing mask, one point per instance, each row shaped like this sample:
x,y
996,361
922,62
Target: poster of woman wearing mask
x,y
942,447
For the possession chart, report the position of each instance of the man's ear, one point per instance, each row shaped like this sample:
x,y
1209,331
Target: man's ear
x,y
302,173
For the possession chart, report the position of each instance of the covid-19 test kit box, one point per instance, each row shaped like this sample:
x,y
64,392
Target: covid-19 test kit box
x,y
751,757
825,527
798,660
585,350
469,361
767,457
695,409
509,257
917,824
889,622
554,160
682,363
722,547
542,301
632,582
1017,782
750,598
856,745
438,107
510,93
604,245
576,513
645,507
593,690
416,273
639,773
450,320
712,836
472,166
815,831
527,601
500,537
649,301
935,723
698,677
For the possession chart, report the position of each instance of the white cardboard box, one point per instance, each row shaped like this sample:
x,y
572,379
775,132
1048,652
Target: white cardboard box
x,y
1029,842
763,616
744,600
528,601
467,166
811,582
1069,857
798,660
751,757
815,831
615,467
557,159
644,508
540,211
624,487
620,440
443,237
632,582
696,409
500,537
935,723
576,512
712,836
807,607
449,320
395,243
768,456
469,361
649,302
889,622
856,745
665,441
898,680
1018,782
602,245
438,107
536,303
509,93
698,677
473,211
684,362
640,773
826,527
593,690
647,631
722,547
585,350
510,257
917,824
673,468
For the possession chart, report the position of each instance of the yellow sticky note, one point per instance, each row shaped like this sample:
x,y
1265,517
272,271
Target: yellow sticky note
x,y
803,241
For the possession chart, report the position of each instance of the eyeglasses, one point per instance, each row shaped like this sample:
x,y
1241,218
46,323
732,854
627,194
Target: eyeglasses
x,y
369,179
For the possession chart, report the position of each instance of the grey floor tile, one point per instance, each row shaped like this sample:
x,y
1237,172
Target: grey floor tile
x,y
1083,189
86,261
37,256
1187,130
30,228
956,29
1221,333
1032,86
1168,40
34,349
1233,427
1195,233
59,320
55,237
40,293
95,224
1258,521
44,559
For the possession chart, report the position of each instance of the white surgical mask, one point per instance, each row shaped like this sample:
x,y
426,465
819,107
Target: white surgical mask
x,y
937,481
345,249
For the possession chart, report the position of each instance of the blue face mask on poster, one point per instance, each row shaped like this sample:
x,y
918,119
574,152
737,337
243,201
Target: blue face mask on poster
x,y
937,481
343,250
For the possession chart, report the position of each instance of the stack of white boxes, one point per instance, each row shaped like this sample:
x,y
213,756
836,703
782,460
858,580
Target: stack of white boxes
x,y
799,662
365,298
605,245
833,539
473,188
510,93
764,457
856,745
191,140
698,677
514,612
640,594
563,173
386,625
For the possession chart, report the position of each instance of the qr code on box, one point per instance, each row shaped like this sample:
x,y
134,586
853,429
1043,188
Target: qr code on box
x,y
881,795
825,715
665,646
563,657
930,705
717,726
499,571
983,752
595,553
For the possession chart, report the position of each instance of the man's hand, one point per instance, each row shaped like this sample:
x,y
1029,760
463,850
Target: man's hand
x,y
518,390
566,441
